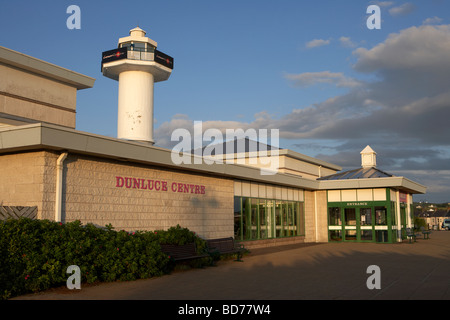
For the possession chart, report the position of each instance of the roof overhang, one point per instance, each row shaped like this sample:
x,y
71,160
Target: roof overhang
x,y
42,136
43,68
400,183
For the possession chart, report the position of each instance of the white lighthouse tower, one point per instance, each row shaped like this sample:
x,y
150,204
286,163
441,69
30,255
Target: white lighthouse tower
x,y
137,65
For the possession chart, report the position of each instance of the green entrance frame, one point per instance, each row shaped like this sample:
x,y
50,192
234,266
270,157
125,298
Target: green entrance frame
x,y
349,227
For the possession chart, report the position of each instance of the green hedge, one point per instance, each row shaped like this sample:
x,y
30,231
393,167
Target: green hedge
x,y
35,254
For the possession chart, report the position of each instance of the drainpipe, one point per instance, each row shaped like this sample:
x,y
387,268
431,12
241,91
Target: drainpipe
x,y
315,216
59,184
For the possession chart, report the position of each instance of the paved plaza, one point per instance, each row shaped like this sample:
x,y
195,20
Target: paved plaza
x,y
329,271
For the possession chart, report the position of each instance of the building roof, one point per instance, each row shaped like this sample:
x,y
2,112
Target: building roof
x,y
436,214
43,68
361,173
250,148
237,146
367,149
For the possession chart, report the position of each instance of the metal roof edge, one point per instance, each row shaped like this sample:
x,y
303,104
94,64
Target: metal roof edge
x,y
43,68
395,182
300,156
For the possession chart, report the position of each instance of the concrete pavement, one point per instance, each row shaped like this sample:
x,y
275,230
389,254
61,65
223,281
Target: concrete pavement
x,y
326,271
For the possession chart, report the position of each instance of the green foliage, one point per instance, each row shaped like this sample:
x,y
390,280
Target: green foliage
x,y
35,254
419,222
178,235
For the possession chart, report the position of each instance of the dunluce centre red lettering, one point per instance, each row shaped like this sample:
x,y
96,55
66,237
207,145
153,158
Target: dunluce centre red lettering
x,y
158,185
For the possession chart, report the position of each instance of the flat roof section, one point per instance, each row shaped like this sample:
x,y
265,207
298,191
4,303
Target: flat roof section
x,y
43,68
250,148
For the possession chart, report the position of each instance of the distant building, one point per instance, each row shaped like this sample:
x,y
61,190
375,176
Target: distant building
x,y
433,218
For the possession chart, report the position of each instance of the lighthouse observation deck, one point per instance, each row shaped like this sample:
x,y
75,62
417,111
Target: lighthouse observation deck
x,y
137,54
135,59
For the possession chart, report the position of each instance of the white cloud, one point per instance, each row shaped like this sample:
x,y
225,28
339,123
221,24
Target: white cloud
x,y
317,43
433,20
404,9
418,49
311,78
384,3
347,42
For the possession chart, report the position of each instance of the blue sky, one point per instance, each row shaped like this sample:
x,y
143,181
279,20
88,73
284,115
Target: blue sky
x,y
311,69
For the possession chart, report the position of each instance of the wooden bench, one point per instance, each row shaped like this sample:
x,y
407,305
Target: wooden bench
x,y
182,252
410,234
426,233
225,246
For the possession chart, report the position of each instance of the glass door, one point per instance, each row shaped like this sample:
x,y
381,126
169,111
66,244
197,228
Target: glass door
x,y
365,224
350,224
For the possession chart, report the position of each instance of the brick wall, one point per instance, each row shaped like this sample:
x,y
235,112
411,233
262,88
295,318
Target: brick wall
x,y
93,194
22,179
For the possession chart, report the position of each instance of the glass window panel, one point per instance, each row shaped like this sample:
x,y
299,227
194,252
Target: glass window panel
x,y
380,216
246,226
335,235
350,216
381,235
393,213
365,216
366,235
334,216
278,219
288,219
270,220
237,218
283,218
350,235
295,218
262,219
139,46
125,45
254,219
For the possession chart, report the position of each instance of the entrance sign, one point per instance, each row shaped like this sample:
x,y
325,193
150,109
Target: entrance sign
x,y
356,204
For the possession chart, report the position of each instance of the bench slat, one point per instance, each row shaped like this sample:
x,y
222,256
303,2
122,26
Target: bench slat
x,y
181,252
225,246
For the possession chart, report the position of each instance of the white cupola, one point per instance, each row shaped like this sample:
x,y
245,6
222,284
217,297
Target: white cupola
x,y
368,158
